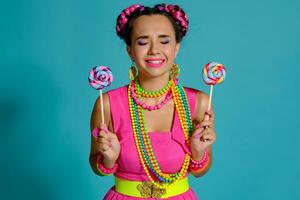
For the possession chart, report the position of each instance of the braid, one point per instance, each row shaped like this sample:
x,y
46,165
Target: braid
x,y
178,15
124,16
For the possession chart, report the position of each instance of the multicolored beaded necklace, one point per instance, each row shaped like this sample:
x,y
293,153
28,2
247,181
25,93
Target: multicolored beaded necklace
x,y
142,140
140,91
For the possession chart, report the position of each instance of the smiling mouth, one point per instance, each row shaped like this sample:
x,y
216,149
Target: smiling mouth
x,y
154,63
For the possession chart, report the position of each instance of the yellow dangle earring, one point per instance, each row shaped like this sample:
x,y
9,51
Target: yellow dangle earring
x,y
132,71
174,72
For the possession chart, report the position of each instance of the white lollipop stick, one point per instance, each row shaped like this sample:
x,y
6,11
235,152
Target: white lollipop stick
x,y
206,117
101,106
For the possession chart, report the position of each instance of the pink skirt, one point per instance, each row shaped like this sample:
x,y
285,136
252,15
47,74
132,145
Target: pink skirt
x,y
113,195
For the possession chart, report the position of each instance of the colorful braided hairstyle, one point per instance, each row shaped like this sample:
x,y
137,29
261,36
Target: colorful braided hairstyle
x,y
174,13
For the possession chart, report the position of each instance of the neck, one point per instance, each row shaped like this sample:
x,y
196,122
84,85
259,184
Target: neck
x,y
153,83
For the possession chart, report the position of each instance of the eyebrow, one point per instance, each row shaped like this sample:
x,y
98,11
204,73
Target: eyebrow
x,y
146,37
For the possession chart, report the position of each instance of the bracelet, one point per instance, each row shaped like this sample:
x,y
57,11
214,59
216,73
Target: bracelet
x,y
201,164
103,170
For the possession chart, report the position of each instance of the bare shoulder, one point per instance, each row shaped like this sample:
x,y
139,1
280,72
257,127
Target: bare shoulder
x,y
201,105
96,117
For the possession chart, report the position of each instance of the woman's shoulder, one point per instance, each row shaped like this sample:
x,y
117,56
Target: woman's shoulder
x,y
111,94
118,90
111,99
200,95
201,100
117,95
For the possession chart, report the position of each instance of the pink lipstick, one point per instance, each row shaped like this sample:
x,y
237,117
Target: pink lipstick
x,y
154,62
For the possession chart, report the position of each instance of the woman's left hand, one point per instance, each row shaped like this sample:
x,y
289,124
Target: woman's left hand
x,y
203,136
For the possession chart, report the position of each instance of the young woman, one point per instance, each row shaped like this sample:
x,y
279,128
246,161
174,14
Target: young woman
x,y
155,133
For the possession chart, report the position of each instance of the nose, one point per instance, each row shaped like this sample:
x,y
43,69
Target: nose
x,y
154,49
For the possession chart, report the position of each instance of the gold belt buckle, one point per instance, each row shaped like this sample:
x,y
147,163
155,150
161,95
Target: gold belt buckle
x,y
148,189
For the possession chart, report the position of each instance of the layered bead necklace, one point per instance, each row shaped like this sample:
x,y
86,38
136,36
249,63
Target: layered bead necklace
x,y
137,91
142,140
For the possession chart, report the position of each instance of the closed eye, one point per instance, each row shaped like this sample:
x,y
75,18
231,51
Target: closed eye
x,y
165,42
141,43
142,40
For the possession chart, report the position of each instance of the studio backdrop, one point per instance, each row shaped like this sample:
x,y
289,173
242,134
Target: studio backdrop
x,y
47,49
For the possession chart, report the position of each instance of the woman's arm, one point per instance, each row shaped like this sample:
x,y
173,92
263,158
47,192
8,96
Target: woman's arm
x,y
201,107
95,121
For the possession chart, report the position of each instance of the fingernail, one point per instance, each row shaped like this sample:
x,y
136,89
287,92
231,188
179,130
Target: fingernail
x,y
95,132
197,136
198,126
105,130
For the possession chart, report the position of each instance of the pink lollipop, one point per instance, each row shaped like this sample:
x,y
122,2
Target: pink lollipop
x,y
99,78
213,73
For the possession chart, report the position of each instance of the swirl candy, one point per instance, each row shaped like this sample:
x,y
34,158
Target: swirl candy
x,y
100,77
213,73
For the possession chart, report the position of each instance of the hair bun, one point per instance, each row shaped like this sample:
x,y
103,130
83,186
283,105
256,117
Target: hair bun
x,y
178,15
123,17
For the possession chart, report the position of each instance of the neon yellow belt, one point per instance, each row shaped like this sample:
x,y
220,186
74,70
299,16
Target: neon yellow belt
x,y
148,190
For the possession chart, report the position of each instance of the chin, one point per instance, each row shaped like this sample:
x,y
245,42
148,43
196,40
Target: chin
x,y
159,74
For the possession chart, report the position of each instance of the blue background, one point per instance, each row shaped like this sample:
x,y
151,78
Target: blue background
x,y
48,48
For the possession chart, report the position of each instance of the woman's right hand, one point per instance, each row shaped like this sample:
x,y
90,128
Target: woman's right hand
x,y
108,144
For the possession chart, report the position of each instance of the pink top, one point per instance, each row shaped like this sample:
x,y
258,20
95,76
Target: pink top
x,y
169,147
